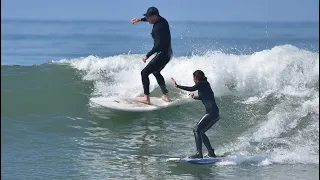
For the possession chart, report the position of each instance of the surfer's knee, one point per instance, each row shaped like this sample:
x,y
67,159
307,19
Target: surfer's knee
x,y
196,129
144,73
202,132
156,73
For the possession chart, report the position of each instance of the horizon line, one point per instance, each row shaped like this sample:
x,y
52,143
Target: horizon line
x,y
174,20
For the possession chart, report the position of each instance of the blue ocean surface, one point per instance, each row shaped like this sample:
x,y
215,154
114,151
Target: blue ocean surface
x,y
265,76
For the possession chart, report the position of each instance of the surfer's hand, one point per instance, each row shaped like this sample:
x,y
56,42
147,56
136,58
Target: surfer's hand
x,y
144,59
134,20
191,95
174,82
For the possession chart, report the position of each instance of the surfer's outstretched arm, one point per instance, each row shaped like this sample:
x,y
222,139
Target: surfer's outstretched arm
x,y
187,88
143,19
134,20
193,88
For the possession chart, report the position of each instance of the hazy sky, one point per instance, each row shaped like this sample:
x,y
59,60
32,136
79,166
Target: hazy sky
x,y
204,10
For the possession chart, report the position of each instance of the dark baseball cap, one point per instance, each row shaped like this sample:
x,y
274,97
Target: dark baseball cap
x,y
151,11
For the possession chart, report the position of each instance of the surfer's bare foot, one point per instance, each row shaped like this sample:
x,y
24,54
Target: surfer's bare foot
x,y
165,98
145,99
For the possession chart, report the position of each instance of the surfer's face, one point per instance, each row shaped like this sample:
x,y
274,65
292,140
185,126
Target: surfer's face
x,y
152,19
195,79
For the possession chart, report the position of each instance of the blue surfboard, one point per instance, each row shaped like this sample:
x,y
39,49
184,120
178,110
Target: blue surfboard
x,y
205,160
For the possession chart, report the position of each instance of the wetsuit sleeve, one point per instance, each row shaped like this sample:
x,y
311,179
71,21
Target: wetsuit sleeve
x,y
193,88
157,40
143,19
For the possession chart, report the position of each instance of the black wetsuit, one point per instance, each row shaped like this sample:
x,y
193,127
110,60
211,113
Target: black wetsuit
x,y
206,95
162,47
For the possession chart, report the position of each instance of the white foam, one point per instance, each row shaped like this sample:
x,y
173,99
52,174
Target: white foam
x,y
285,72
239,159
298,154
280,69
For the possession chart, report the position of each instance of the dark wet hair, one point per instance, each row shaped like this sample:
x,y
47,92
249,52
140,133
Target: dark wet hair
x,y
199,75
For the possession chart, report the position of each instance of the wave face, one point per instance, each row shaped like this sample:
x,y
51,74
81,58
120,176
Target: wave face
x,y
282,83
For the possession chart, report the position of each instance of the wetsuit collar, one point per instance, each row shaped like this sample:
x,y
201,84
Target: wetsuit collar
x,y
158,20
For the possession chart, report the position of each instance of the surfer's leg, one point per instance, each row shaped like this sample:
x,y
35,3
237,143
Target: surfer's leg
x,y
203,122
145,82
152,66
205,138
163,60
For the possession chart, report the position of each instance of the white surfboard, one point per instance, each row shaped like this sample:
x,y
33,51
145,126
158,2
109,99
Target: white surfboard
x,y
132,105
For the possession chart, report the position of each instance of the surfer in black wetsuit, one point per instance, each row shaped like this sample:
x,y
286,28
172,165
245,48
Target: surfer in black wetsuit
x,y
162,48
206,95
